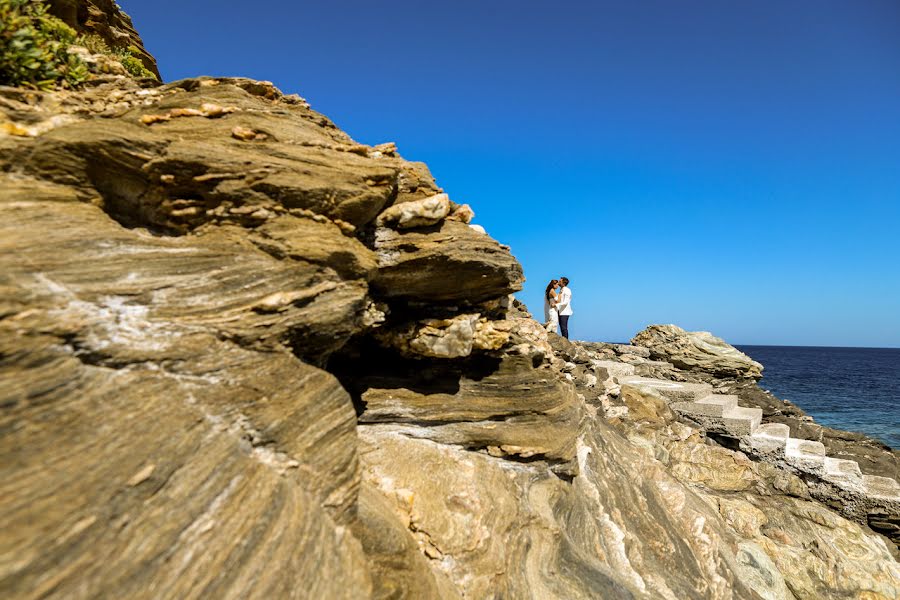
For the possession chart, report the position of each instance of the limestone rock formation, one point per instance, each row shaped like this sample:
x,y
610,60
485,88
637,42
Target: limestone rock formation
x,y
244,356
697,350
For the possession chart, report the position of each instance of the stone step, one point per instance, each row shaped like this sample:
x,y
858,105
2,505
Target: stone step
x,y
796,446
883,487
709,406
805,455
675,391
742,421
717,403
770,437
773,431
838,467
844,474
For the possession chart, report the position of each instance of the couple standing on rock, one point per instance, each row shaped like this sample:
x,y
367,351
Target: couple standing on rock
x,y
558,306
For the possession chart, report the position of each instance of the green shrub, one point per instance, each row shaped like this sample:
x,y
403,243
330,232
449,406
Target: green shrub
x,y
33,48
134,65
129,57
95,44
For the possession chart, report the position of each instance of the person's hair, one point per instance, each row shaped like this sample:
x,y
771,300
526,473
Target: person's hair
x,y
550,286
564,281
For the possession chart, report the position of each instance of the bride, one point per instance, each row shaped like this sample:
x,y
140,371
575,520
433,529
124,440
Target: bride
x,y
551,316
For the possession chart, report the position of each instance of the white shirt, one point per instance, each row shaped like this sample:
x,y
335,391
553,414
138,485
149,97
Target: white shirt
x,y
564,304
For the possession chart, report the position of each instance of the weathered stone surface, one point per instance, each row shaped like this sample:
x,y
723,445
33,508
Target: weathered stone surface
x,y
159,373
502,529
646,404
139,453
399,567
698,350
316,242
450,264
453,337
793,535
180,174
417,213
216,281
715,468
503,405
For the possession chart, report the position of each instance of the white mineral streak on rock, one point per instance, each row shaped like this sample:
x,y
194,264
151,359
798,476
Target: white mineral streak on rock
x,y
114,321
707,548
416,213
281,300
244,429
613,538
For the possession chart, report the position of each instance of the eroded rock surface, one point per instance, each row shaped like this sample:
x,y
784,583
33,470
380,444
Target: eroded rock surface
x,y
697,350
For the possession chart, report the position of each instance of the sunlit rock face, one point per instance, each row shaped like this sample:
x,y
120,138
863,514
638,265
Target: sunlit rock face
x,y
697,350
234,365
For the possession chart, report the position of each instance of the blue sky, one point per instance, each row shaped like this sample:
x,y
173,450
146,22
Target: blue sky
x,y
728,166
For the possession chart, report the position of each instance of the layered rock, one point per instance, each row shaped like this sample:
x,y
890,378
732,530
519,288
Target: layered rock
x,y
167,284
697,350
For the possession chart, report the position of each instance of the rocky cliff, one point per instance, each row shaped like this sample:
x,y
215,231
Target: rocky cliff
x,y
104,19
244,356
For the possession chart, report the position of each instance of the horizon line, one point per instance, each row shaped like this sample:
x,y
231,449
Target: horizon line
x,y
774,345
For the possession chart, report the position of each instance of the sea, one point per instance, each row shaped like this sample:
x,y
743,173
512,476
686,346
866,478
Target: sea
x,y
855,389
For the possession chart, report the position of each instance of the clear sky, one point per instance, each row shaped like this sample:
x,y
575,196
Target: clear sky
x,y
729,166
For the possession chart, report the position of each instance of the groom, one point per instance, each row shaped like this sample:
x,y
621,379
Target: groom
x,y
564,306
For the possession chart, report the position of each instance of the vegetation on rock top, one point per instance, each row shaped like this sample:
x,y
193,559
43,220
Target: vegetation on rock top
x,y
36,49
128,56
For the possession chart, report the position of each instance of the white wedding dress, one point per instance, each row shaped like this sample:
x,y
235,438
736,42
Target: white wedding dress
x,y
551,316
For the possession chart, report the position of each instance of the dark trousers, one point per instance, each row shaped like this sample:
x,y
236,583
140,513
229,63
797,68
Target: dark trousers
x,y
564,325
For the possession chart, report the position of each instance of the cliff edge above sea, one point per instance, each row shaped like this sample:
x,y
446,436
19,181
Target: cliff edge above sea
x,y
245,356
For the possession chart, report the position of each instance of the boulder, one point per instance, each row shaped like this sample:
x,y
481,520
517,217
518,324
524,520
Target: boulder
x,y
697,350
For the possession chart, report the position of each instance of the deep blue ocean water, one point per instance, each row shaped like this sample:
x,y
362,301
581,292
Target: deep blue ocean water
x,y
855,389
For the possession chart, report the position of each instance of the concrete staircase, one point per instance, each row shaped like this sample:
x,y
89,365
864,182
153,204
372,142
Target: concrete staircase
x,y
721,414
